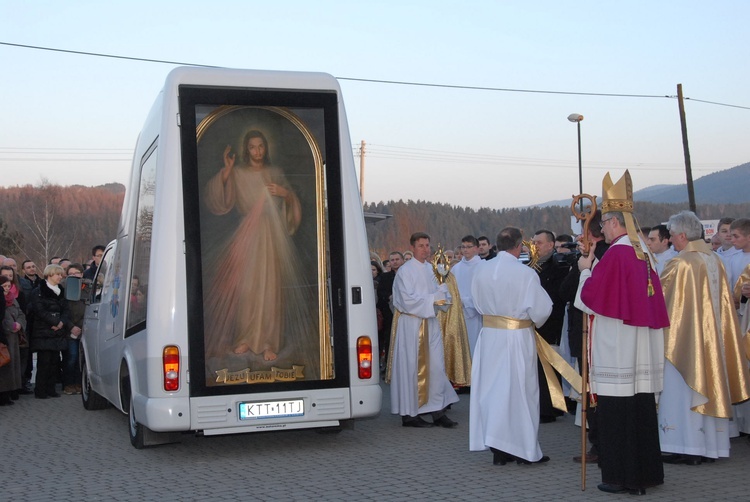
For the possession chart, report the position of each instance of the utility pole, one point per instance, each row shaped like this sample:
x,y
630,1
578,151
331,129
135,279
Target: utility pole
x,y
688,168
362,170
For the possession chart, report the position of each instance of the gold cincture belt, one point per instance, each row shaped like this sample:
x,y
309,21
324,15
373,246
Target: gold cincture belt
x,y
547,356
503,322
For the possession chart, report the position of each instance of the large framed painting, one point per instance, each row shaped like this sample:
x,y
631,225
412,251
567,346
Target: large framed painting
x,y
261,242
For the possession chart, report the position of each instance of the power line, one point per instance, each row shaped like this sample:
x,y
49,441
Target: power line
x,y
96,54
503,89
420,154
389,82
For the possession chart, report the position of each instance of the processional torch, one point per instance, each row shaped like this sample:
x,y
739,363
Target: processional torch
x,y
584,215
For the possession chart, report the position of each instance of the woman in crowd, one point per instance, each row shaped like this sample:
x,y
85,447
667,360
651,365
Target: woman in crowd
x,y
71,371
51,325
376,271
15,287
16,290
13,325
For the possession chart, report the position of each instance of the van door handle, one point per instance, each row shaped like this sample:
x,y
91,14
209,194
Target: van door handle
x,y
96,311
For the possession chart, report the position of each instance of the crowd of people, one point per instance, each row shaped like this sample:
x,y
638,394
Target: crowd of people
x,y
38,320
666,339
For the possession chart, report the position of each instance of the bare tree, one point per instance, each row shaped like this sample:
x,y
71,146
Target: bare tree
x,y
45,233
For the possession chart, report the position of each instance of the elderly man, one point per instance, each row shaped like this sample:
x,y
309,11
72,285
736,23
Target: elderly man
x,y
504,408
704,370
416,370
627,346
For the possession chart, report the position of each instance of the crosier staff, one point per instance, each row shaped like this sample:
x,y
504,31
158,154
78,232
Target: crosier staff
x,y
584,215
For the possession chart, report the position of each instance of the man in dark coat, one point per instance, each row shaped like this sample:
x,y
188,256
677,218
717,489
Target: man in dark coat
x,y
385,290
551,275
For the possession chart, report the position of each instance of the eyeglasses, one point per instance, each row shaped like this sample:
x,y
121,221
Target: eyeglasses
x,y
603,222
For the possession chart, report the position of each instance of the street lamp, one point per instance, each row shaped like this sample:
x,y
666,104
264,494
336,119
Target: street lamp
x,y
577,118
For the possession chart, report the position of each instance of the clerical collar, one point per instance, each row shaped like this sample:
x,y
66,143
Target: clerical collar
x,y
617,238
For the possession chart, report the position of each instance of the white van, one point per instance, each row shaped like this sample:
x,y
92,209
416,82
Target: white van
x,y
237,296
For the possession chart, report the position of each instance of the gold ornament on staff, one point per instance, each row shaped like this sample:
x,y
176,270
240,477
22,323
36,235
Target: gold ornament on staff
x,y
584,214
533,255
441,267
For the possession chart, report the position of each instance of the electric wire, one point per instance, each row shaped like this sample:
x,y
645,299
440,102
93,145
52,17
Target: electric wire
x,y
388,82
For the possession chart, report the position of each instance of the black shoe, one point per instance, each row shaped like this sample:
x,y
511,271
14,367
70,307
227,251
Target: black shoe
x,y
14,395
672,458
25,392
499,457
523,461
547,419
40,396
418,422
446,422
637,491
54,394
676,458
610,488
692,460
708,460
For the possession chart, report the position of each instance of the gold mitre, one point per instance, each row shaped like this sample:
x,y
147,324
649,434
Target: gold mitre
x,y
617,196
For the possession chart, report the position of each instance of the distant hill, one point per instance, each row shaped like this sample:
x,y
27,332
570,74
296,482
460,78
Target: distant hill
x,y
731,186
109,187
725,187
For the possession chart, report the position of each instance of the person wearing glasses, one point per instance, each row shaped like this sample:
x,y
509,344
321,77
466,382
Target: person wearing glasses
x,y
626,368
464,272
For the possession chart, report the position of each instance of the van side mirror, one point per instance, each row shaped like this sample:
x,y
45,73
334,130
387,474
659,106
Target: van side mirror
x,y
77,289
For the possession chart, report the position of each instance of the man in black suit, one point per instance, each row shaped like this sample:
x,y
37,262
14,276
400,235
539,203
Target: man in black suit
x,y
551,275
385,290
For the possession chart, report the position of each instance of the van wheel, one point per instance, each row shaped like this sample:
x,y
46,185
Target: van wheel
x,y
137,431
91,400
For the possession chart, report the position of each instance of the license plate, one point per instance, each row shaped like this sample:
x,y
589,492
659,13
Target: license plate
x,y
272,409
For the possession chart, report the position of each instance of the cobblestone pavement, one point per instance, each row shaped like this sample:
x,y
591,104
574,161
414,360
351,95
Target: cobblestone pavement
x,y
55,450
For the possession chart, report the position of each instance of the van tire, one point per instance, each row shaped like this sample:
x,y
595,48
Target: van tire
x,y
136,431
90,398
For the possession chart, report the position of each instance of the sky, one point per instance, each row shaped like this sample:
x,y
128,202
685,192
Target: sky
x,y
74,119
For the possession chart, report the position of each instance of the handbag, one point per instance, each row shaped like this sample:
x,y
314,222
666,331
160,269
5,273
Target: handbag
x,y
4,355
23,340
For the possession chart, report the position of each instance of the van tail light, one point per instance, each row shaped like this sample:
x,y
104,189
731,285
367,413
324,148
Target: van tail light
x,y
171,360
364,357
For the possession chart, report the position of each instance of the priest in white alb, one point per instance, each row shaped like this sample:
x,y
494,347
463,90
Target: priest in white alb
x,y
504,408
464,272
416,366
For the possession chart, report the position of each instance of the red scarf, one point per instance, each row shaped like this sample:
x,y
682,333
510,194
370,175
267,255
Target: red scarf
x,y
11,296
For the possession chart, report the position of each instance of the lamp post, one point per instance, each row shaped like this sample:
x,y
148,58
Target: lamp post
x,y
577,118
